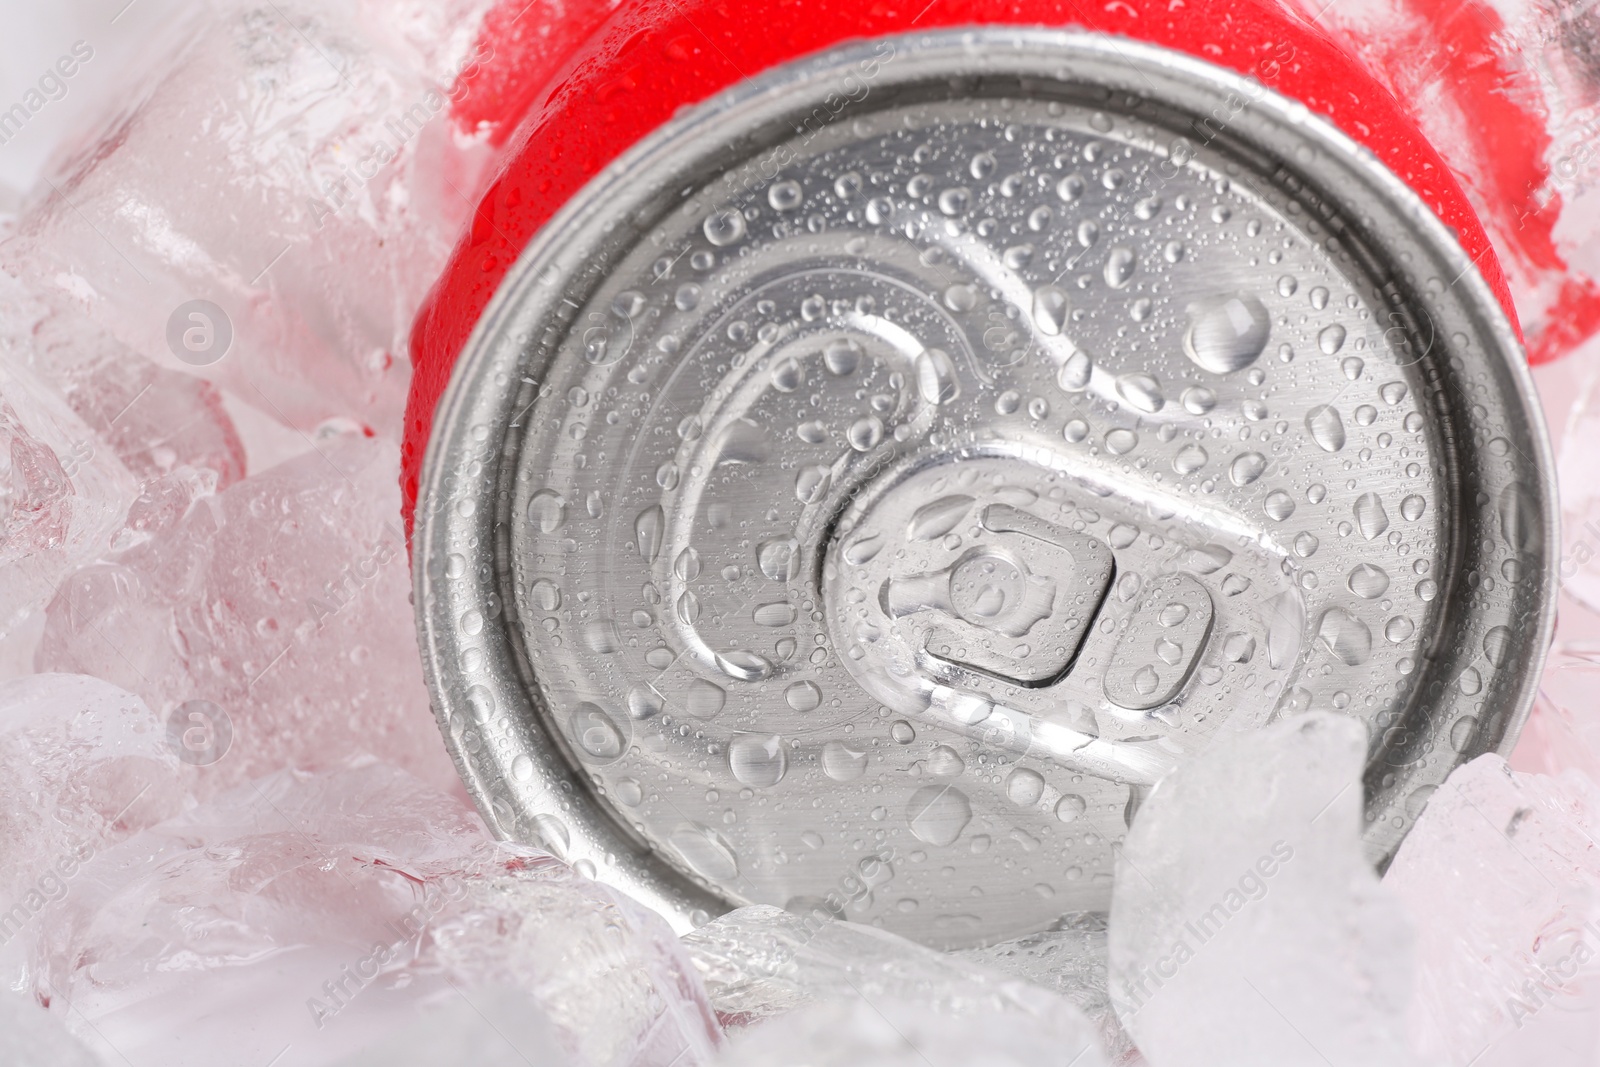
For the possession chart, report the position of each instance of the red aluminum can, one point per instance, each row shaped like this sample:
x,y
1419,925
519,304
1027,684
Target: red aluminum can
x,y
858,451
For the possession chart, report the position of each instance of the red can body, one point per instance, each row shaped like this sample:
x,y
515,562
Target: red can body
x,y
569,102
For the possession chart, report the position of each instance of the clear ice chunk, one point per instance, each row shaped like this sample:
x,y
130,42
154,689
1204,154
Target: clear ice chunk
x,y
123,445
887,1031
1069,959
310,916
1563,732
1578,472
156,421
489,1027
293,166
761,962
278,611
1246,924
82,765
63,496
31,1037
1500,877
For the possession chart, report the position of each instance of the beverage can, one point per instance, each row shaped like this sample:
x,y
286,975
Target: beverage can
x,y
870,484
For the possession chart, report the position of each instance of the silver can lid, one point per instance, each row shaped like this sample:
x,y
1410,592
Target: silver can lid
x,y
868,487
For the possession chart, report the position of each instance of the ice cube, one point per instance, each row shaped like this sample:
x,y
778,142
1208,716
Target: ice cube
x,y
489,1027
1501,876
760,962
271,211
273,617
82,765
610,973
1246,924
1560,1030
887,1031
308,916
134,444
1069,959
1578,470
63,495
31,1037
1562,732
435,38
156,421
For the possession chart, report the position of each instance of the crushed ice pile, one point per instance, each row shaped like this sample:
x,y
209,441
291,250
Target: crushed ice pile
x,y
228,829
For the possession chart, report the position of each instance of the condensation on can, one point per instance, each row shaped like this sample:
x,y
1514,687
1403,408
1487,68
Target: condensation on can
x,y
873,483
